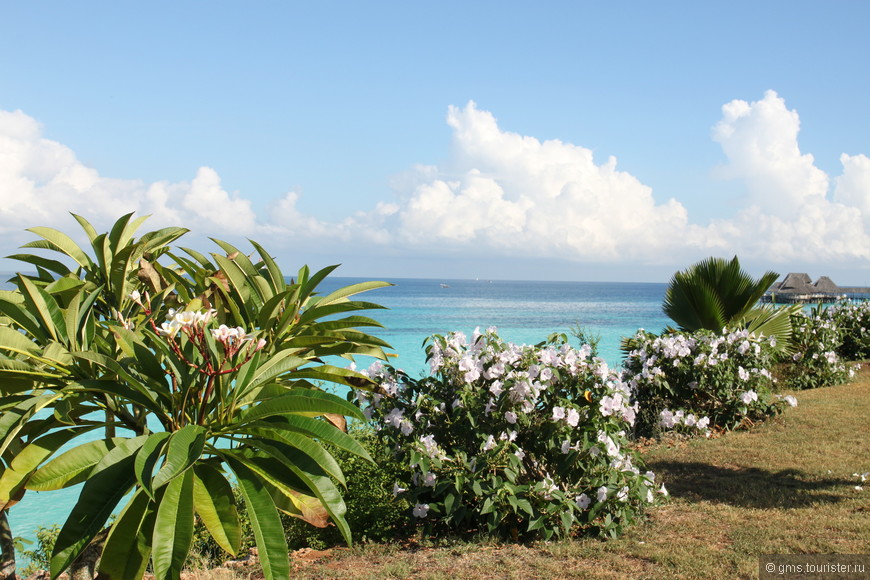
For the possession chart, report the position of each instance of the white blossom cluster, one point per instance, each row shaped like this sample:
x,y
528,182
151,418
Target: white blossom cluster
x,y
699,378
485,406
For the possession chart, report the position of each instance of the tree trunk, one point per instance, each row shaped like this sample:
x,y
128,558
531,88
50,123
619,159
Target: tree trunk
x,y
84,566
7,548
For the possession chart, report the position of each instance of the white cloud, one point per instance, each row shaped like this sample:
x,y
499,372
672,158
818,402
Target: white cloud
x,y
500,194
853,186
760,141
789,215
506,193
42,180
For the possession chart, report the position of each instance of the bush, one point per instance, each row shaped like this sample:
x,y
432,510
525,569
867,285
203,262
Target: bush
x,y
520,441
40,556
852,319
816,338
695,381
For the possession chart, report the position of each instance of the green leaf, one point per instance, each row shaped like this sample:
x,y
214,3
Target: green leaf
x,y
173,527
524,505
146,459
29,458
213,501
60,242
343,293
536,524
265,522
303,443
302,401
15,341
449,503
13,419
309,472
184,448
71,467
128,547
107,484
43,304
322,430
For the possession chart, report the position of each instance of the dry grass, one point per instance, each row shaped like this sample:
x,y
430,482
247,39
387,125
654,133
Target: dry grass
x,y
784,487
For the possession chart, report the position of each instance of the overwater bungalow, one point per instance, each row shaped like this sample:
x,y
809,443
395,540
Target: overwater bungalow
x,y
800,288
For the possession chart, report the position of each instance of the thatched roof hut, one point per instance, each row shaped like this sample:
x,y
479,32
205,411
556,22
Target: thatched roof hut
x,y
826,285
799,287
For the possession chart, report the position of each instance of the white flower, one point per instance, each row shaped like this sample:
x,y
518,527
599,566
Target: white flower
x,y
667,419
510,417
566,446
583,501
601,495
429,479
748,397
663,490
394,418
791,400
397,490
623,494
608,405
741,372
703,423
573,417
520,454
489,444
558,413
421,509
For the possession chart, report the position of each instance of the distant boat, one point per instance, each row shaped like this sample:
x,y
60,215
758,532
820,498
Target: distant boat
x,y
443,285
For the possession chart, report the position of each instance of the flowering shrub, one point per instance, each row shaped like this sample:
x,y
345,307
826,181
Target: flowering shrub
x,y
852,319
516,440
693,381
816,339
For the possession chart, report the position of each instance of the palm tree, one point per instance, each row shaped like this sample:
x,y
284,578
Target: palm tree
x,y
716,293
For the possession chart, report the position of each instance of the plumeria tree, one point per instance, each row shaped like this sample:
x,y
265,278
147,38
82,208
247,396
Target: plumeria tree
x,y
517,440
171,374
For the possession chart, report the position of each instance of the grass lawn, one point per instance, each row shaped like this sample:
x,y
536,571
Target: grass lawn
x,y
783,487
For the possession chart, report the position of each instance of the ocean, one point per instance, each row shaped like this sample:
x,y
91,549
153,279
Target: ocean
x,y
523,312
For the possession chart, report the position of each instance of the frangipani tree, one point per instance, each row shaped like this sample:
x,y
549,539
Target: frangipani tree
x,y
196,371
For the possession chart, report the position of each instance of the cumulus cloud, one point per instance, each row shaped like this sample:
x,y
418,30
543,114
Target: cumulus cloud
x,y
509,193
499,194
760,141
790,214
41,180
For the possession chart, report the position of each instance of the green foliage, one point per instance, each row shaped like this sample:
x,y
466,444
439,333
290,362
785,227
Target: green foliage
x,y
716,293
519,441
373,513
209,365
588,337
700,380
40,556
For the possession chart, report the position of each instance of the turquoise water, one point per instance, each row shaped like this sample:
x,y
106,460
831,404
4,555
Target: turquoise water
x,y
523,312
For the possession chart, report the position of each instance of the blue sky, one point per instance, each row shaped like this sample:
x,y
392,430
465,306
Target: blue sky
x,y
561,140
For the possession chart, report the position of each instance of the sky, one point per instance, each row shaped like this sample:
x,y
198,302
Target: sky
x,y
592,141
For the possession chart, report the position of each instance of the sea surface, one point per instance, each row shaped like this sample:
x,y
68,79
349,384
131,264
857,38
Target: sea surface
x,y
523,312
